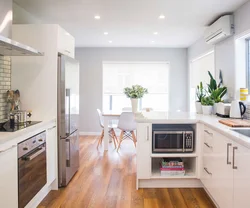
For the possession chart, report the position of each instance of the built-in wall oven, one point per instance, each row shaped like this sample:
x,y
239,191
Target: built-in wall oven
x,y
32,171
172,138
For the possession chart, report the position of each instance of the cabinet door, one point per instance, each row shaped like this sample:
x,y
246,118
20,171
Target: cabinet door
x,y
241,176
51,154
66,43
144,147
221,166
8,177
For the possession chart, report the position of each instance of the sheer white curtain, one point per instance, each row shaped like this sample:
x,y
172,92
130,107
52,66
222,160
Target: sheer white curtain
x,y
199,73
151,75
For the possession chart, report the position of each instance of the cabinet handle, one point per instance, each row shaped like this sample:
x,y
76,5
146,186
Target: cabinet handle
x,y
228,145
211,134
208,145
207,171
234,148
147,133
51,128
67,51
2,151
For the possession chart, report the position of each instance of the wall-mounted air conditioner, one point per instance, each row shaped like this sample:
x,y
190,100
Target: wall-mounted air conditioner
x,y
220,30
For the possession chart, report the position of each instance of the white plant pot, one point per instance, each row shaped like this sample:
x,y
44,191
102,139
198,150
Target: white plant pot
x,y
207,110
134,103
215,108
198,107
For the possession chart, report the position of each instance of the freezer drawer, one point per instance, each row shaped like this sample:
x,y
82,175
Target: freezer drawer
x,y
68,158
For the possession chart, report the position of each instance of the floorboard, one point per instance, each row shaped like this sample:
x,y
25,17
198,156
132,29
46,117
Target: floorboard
x,y
108,179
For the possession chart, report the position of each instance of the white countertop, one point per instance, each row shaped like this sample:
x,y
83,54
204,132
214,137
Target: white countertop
x,y
13,138
192,118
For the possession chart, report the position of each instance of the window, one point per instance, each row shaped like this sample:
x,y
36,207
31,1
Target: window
x,y
117,76
199,73
248,63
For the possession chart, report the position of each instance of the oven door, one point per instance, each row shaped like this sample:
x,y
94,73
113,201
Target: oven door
x,y
31,174
168,141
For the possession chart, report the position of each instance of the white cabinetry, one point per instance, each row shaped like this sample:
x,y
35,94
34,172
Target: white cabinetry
x,y
51,154
225,170
144,146
66,43
217,173
241,176
8,177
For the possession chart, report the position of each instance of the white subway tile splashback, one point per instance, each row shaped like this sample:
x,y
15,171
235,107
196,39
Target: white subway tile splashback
x,y
5,84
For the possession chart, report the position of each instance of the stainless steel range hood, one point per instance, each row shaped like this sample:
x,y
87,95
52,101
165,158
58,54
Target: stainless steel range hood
x,y
10,47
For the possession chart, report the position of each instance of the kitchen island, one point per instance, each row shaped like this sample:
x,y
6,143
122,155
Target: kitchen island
x,y
218,162
10,166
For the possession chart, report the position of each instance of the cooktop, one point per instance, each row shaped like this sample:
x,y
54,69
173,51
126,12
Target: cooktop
x,y
8,128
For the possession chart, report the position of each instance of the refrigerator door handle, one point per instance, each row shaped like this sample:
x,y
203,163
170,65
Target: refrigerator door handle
x,y
67,142
68,95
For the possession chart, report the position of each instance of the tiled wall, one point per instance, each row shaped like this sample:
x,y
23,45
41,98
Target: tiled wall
x,y
5,84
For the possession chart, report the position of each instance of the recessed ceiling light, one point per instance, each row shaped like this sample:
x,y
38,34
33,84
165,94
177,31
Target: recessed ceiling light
x,y
97,17
105,33
152,41
155,33
161,16
110,41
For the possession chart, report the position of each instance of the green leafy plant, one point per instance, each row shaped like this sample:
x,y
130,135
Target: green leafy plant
x,y
200,92
218,94
136,91
216,91
207,101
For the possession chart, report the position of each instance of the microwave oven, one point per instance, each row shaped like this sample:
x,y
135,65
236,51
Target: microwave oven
x,y
175,140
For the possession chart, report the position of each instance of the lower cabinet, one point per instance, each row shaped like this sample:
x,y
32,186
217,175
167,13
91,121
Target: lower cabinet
x,y
225,171
51,154
241,176
8,177
144,145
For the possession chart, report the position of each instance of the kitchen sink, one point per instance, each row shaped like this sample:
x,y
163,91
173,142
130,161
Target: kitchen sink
x,y
245,132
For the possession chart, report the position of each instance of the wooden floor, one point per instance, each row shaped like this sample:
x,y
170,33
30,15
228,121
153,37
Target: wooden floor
x,y
108,180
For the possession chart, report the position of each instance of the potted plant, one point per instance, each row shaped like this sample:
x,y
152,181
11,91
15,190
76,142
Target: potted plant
x,y
216,91
134,93
200,93
207,105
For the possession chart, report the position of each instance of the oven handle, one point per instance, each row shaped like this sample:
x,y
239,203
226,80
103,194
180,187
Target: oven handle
x,y
34,155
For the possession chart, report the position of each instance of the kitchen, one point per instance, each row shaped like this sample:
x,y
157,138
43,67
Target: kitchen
x,y
36,76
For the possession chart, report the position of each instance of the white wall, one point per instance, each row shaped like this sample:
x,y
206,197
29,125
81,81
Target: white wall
x,y
225,51
91,77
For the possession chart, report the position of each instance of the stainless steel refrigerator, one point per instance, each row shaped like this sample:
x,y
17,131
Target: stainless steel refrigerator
x,y
68,118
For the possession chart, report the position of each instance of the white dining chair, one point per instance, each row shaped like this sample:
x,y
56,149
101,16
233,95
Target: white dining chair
x,y
127,125
111,130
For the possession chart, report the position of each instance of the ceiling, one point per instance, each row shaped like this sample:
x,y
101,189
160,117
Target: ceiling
x,y
131,23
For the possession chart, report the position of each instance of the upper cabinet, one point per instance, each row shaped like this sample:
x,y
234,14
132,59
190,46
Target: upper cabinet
x,y
66,43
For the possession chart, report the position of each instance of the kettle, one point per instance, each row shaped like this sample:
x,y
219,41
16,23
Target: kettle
x,y
237,109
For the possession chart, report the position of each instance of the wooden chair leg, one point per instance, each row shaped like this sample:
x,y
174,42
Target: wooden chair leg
x,y
121,138
113,137
101,138
134,137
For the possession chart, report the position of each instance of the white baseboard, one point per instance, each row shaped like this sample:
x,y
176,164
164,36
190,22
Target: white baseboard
x,y
83,133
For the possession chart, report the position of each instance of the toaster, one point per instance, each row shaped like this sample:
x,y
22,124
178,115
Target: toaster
x,y
223,109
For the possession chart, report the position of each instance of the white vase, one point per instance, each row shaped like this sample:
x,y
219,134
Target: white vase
x,y
207,109
134,103
215,108
198,107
